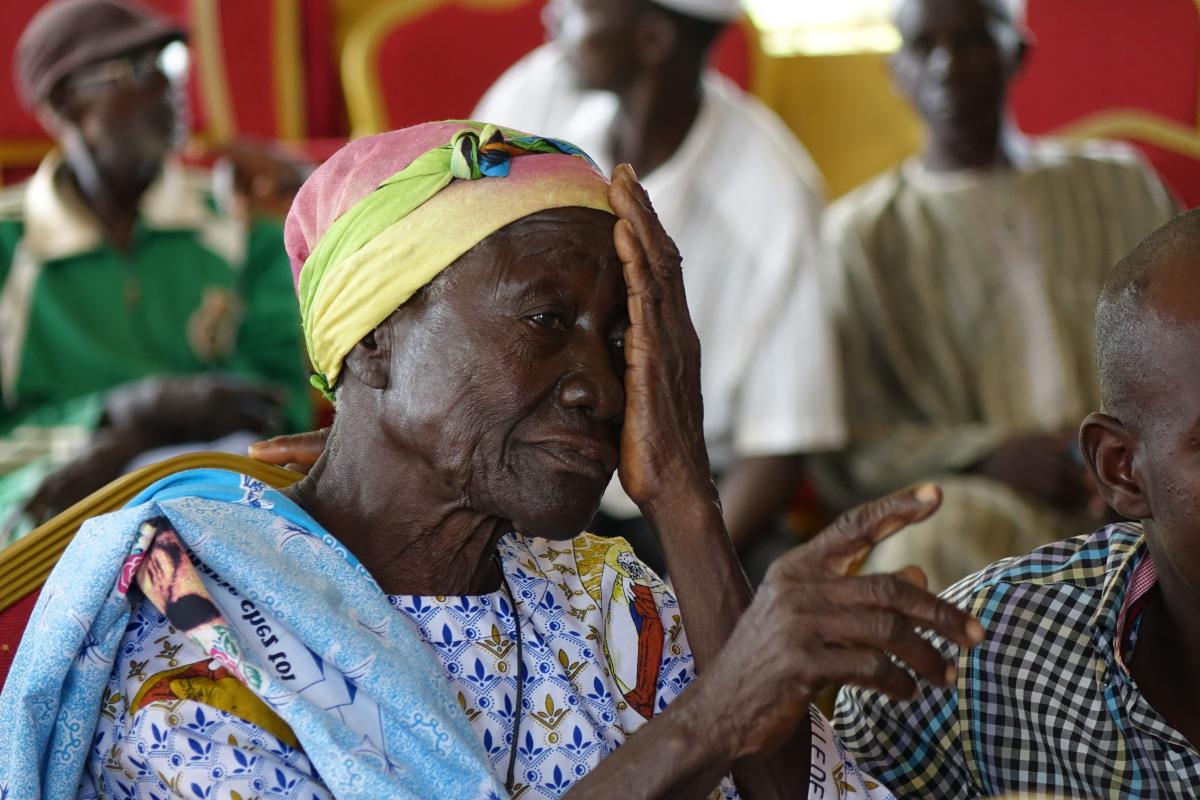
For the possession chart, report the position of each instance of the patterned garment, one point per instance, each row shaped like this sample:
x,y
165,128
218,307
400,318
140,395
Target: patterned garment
x,y
275,623
1046,704
964,303
603,647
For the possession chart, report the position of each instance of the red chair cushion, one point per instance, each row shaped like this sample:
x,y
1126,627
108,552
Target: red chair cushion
x,y
12,628
1095,56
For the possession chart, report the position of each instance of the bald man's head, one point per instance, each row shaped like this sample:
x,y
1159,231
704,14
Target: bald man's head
x,y
1143,450
1150,299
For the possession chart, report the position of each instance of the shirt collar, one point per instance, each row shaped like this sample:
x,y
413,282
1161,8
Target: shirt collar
x,y
58,225
1129,586
1117,597
1024,155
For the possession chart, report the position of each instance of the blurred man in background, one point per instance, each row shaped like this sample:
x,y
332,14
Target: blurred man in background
x,y
628,81
964,283
133,314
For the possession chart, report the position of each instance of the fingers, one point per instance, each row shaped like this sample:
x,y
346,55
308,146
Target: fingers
x,y
894,594
631,202
889,632
861,666
845,543
638,279
301,449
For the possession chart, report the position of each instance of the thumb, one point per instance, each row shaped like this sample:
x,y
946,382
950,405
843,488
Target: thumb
x,y
300,448
841,547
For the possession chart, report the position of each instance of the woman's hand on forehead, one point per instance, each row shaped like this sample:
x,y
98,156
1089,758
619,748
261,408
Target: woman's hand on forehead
x,y
664,460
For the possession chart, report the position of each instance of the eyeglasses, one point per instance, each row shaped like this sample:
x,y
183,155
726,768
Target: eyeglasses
x,y
171,62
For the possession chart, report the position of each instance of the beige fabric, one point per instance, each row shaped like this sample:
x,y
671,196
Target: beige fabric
x,y
964,306
980,522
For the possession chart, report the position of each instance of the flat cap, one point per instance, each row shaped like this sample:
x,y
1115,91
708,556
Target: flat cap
x,y
67,34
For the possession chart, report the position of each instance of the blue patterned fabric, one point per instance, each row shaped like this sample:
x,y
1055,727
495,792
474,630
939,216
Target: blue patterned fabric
x,y
595,624
267,551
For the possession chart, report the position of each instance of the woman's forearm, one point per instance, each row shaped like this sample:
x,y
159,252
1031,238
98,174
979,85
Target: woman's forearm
x,y
671,756
706,576
713,594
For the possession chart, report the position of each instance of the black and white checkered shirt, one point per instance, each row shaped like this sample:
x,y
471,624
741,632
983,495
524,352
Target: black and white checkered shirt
x,y
1046,703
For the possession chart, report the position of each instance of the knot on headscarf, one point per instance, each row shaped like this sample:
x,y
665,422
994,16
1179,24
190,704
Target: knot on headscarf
x,y
487,154
402,232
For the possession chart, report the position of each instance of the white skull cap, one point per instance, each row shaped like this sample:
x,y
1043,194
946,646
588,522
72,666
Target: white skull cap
x,y
1015,8
714,10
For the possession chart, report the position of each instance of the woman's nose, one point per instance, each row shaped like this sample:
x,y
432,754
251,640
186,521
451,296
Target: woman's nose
x,y
594,383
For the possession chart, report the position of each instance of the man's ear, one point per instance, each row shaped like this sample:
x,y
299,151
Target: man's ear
x,y
370,361
1108,449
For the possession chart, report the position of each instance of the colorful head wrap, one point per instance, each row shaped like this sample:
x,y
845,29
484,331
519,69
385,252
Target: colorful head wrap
x,y
388,213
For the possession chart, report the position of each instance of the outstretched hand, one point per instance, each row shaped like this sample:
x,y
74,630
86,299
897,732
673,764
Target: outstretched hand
x,y
663,456
813,625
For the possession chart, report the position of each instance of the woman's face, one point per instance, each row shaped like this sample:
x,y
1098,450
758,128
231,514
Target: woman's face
x,y
506,373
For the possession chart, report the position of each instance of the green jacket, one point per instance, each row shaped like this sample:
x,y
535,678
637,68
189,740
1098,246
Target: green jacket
x,y
199,291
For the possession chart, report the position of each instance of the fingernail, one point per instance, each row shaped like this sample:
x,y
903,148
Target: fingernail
x,y
927,493
975,631
632,174
951,673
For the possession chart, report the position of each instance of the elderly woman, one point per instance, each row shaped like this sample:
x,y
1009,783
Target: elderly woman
x,y
419,617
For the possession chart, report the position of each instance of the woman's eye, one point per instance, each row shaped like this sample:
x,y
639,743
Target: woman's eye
x,y
618,341
553,322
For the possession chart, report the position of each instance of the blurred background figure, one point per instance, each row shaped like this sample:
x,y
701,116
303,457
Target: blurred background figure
x,y
628,81
134,313
647,81
965,281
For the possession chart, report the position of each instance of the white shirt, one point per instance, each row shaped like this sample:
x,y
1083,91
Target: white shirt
x,y
742,200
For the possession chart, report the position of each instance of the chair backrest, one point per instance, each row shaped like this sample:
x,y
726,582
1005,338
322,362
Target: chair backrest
x,y
411,61
25,565
1118,69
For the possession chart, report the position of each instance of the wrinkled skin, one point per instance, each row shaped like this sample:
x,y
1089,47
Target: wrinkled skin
x,y
452,429
509,372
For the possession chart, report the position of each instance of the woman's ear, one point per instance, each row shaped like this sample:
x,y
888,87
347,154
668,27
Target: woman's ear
x,y
1108,449
371,359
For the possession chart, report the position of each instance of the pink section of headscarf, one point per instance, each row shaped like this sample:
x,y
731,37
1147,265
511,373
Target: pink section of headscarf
x,y
350,175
